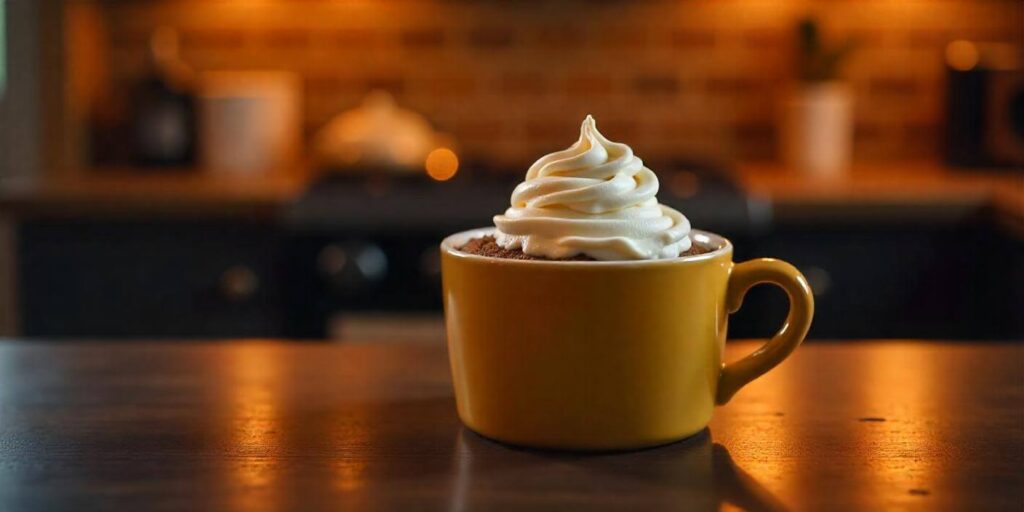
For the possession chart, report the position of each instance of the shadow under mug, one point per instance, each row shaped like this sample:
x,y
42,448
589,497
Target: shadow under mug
x,y
697,473
603,355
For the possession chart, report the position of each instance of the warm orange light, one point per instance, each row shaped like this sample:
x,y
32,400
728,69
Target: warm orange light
x,y
442,164
255,391
684,184
962,55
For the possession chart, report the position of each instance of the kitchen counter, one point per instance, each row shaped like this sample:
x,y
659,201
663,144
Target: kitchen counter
x,y
892,193
263,425
129,194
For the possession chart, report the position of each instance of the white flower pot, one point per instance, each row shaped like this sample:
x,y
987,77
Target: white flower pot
x,y
817,128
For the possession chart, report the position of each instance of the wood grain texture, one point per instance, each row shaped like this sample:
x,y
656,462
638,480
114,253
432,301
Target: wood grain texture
x,y
282,426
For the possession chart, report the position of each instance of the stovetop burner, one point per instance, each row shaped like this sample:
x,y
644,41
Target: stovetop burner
x,y
381,202
369,242
395,203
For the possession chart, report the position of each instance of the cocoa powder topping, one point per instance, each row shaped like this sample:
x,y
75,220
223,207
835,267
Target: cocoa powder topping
x,y
487,246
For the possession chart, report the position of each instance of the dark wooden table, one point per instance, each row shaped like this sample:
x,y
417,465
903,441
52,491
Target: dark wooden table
x,y
283,426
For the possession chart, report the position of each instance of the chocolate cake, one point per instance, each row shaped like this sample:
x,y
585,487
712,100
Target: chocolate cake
x,y
487,246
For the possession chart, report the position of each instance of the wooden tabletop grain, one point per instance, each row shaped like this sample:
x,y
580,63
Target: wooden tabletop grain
x,y
860,425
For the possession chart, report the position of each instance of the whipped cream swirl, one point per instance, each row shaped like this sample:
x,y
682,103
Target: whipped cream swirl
x,y
594,198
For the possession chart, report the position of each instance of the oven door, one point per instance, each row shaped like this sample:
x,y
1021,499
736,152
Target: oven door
x,y
348,283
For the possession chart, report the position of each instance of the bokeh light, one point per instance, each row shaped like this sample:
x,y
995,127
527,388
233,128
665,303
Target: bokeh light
x,y
442,164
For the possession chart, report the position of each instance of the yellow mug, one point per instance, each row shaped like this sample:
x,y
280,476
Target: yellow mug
x,y
603,355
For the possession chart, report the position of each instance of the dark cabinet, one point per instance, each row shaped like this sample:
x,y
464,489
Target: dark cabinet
x,y
133,279
895,282
231,278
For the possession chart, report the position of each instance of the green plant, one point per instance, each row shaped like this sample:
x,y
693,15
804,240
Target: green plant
x,y
816,61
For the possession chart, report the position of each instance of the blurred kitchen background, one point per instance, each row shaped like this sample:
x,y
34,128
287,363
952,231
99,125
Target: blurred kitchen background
x,y
286,168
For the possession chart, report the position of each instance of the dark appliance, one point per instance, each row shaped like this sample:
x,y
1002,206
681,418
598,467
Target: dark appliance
x,y
358,243
985,105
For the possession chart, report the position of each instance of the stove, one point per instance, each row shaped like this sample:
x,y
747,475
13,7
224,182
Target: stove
x,y
363,245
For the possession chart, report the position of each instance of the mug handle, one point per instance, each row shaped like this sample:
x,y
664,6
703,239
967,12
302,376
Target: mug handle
x,y
801,309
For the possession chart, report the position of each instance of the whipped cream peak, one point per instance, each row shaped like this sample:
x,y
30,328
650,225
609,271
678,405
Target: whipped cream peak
x,y
595,198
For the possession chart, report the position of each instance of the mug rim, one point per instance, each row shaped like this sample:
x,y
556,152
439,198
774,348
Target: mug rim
x,y
451,243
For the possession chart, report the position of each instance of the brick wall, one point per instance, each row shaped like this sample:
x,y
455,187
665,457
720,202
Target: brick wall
x,y
512,80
